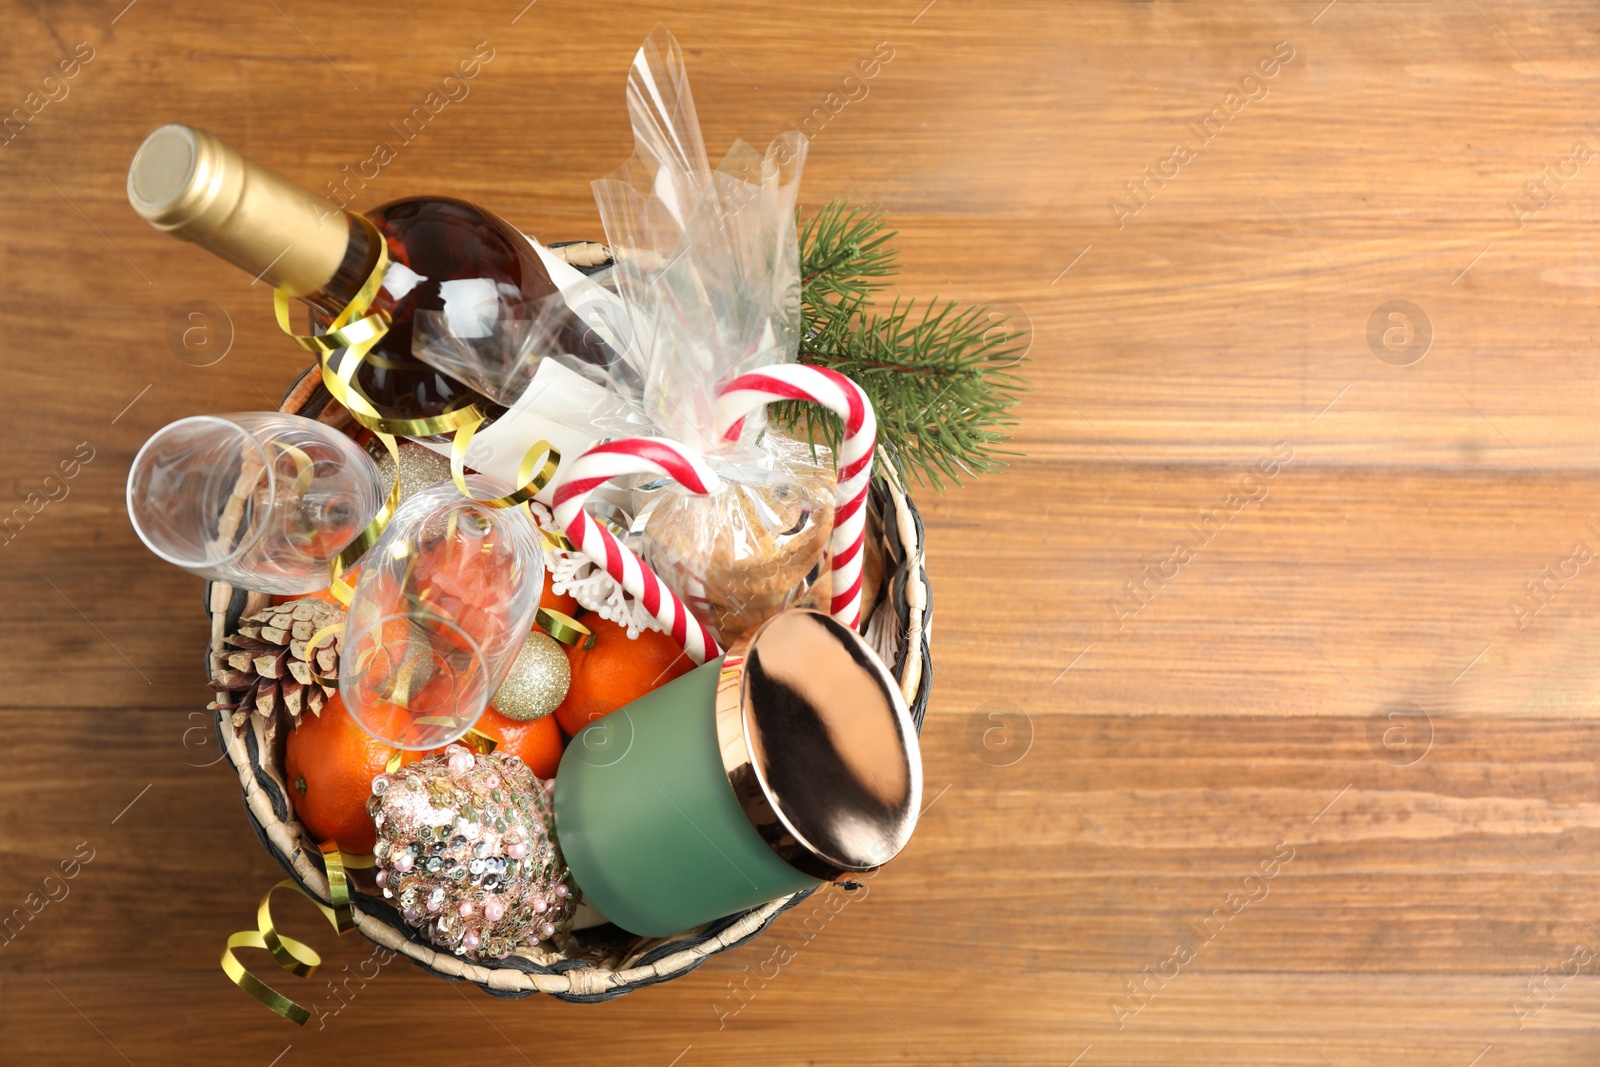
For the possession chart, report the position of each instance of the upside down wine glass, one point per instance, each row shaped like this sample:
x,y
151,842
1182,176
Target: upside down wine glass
x,y
261,500
445,600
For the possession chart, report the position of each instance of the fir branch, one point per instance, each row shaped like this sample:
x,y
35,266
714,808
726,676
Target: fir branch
x,y
942,381
845,258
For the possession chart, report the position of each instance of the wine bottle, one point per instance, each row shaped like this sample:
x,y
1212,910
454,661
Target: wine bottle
x,y
198,188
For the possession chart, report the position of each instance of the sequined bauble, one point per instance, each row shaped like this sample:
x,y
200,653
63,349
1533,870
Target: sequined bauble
x,y
466,852
539,678
420,467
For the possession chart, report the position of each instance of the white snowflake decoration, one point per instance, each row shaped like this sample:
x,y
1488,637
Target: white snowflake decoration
x,y
575,573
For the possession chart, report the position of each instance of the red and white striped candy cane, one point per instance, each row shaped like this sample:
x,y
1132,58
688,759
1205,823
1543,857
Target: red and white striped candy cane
x,y
635,455
795,381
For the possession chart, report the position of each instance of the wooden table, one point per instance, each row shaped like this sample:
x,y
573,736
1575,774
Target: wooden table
x,y
1317,789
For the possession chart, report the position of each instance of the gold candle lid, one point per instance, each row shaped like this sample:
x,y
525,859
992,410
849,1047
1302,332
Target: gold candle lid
x,y
197,187
818,745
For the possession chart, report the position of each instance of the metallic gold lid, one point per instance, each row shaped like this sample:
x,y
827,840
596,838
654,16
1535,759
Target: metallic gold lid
x,y
818,745
199,188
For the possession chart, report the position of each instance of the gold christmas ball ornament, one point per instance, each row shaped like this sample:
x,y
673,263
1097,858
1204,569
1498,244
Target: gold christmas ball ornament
x,y
420,467
538,680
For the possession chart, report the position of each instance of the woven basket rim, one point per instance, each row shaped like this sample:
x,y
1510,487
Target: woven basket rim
x,y
576,980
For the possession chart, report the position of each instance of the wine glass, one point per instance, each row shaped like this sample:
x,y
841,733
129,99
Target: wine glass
x,y
261,500
445,600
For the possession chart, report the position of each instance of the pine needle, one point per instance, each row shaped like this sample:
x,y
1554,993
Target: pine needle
x,y
942,379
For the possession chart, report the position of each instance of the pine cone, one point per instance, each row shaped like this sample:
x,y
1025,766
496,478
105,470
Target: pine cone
x,y
267,669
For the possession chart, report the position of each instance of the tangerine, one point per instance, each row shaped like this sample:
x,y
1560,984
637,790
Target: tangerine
x,y
537,741
565,603
609,670
330,761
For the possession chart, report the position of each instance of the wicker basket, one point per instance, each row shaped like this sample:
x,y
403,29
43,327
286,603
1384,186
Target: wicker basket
x,y
603,962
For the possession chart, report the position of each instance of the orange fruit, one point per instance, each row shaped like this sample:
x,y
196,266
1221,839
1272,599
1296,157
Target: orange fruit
x,y
608,670
330,762
565,603
537,741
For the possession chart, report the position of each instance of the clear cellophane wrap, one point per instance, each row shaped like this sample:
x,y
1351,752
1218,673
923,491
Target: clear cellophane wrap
x,y
707,286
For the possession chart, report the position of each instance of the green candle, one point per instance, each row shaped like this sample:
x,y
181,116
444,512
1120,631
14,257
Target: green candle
x,y
642,802
785,763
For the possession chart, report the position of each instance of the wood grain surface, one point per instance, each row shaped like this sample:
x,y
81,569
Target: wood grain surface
x,y
1334,684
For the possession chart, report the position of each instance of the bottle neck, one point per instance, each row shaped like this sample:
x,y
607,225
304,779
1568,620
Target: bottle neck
x,y
360,257
199,188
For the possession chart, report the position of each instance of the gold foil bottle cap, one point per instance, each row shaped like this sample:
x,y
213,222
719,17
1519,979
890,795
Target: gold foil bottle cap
x,y
198,188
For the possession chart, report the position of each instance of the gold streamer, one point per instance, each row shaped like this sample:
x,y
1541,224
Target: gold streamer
x,y
311,648
338,887
563,628
293,956
480,741
529,484
340,350
351,335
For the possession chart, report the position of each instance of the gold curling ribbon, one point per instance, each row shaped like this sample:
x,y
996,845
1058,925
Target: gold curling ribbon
x,y
529,484
293,956
479,741
475,739
340,350
563,628
311,649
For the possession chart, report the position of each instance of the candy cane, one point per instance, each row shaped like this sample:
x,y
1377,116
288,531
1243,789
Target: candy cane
x,y
635,455
795,381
